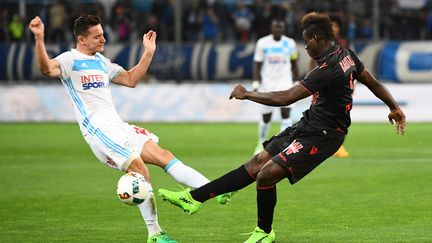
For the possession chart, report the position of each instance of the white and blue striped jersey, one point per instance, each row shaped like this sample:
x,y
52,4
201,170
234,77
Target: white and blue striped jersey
x,y
276,57
87,80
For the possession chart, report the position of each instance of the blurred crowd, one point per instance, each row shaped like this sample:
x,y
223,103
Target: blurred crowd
x,y
214,20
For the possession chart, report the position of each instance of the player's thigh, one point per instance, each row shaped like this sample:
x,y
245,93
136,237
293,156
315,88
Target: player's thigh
x,y
153,154
267,117
266,111
285,112
139,166
147,143
113,148
270,174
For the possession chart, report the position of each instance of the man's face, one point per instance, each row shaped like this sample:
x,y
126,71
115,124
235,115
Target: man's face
x,y
94,41
277,28
336,28
311,44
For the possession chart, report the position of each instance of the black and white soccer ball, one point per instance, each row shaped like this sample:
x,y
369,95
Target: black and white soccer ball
x,y
133,188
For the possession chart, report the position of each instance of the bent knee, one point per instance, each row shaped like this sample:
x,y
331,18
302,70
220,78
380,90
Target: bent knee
x,y
254,165
156,155
264,179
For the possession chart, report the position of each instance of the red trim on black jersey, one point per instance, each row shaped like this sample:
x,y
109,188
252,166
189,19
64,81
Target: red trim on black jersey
x,y
305,87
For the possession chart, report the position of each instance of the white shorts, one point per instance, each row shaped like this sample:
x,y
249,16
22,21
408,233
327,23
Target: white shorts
x,y
275,86
265,109
116,146
268,86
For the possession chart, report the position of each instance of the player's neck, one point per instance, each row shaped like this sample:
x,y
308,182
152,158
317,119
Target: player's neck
x,y
84,50
277,38
323,48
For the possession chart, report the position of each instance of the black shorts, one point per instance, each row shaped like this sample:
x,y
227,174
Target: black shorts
x,y
300,148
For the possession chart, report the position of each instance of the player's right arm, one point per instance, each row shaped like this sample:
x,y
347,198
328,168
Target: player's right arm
x,y
273,98
258,59
48,67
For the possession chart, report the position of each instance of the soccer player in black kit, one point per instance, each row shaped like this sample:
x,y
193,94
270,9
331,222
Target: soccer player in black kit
x,y
299,149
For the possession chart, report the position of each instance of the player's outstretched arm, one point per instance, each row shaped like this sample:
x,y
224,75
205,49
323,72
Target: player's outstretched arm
x,y
130,78
48,67
396,115
275,98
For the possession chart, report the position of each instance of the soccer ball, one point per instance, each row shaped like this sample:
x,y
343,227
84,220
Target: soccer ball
x,y
133,188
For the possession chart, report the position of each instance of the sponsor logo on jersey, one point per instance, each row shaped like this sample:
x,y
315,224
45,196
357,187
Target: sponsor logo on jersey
x,y
93,81
276,59
95,85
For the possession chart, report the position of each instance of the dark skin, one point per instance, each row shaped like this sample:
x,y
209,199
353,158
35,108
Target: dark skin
x,y
277,30
266,171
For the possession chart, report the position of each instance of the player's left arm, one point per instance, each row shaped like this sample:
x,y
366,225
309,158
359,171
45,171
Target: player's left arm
x,y
131,77
396,114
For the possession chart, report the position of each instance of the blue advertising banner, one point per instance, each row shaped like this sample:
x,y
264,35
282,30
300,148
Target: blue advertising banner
x,y
407,62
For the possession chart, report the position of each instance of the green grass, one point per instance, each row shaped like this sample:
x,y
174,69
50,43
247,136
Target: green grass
x,y
54,190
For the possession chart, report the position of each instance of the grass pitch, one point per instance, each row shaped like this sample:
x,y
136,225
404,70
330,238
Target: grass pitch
x,y
54,190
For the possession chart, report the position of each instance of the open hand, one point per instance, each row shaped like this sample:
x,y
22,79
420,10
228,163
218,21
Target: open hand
x,y
397,117
239,92
149,41
37,27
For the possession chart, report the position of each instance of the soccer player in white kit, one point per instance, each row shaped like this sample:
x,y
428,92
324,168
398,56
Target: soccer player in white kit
x,y
87,76
275,64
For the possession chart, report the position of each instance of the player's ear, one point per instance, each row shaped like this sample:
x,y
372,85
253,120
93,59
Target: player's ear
x,y
80,39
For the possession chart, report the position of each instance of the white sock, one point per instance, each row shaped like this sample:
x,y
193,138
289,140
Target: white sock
x,y
149,213
185,174
285,123
263,129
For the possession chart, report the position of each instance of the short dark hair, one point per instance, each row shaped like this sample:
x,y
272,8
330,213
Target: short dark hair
x,y
83,23
318,24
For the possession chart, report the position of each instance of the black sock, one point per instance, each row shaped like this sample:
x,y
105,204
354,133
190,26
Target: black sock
x,y
232,181
266,202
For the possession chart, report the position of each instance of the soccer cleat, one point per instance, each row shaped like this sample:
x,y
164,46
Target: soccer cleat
x,y
183,199
161,237
225,198
341,153
258,235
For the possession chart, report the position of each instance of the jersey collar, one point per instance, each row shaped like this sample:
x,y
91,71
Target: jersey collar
x,y
332,49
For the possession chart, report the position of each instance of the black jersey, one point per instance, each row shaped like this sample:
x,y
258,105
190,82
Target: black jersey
x,y
331,84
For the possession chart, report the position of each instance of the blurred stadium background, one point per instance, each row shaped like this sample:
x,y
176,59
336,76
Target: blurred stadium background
x,y
206,45
381,193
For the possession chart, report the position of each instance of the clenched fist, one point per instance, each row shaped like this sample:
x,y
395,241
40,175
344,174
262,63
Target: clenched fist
x,y
37,27
238,92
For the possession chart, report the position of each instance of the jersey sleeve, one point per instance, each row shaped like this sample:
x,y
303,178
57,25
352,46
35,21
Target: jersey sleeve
x,y
66,62
316,79
113,69
294,53
359,65
259,52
